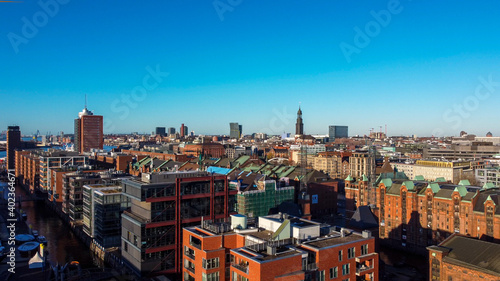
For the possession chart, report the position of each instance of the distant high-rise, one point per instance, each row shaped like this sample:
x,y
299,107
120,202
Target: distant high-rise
x,y
88,131
337,132
235,130
160,131
13,142
183,132
299,126
171,131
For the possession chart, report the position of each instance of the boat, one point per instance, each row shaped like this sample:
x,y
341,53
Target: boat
x,y
22,238
28,249
42,239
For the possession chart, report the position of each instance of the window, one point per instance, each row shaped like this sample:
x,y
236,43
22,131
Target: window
x,y
334,272
340,255
351,253
321,276
364,249
210,277
211,263
345,269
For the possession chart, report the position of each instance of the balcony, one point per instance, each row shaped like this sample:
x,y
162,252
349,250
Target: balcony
x,y
310,267
363,269
242,267
196,245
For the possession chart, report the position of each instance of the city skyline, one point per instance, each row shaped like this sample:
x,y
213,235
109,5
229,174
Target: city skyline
x,y
423,68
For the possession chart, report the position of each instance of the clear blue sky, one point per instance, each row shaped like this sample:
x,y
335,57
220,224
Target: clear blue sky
x,y
252,63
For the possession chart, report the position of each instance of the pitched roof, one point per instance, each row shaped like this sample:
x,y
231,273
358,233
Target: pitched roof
x,y
363,218
479,254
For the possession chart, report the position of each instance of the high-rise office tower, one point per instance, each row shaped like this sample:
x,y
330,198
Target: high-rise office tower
x,y
160,131
337,132
88,131
235,130
171,130
13,142
299,126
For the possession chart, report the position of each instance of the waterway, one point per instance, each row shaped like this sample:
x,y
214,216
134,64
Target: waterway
x,y
63,246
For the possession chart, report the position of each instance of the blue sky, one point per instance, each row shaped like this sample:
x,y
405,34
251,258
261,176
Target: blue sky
x,y
252,62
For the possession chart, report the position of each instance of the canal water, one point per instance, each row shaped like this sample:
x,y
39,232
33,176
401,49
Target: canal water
x,y
63,246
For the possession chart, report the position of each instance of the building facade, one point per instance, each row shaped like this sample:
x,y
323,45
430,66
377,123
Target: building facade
x,y
280,247
235,130
88,131
161,205
102,208
464,258
13,143
335,132
417,214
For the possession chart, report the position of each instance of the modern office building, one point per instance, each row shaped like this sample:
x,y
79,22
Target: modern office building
x,y
280,247
160,131
13,143
335,132
235,130
171,131
72,193
102,208
161,205
88,131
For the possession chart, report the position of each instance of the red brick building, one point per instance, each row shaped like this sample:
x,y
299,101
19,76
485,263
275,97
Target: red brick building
x,y
281,247
88,131
159,155
416,214
464,258
207,149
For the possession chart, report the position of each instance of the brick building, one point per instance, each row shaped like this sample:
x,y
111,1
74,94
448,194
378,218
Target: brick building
x,y
207,149
416,214
464,258
280,247
161,205
88,131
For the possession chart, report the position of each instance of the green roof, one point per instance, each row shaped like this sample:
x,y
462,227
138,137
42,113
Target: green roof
x,y
364,178
488,185
419,178
464,182
349,178
435,187
387,182
461,189
409,185
489,198
440,179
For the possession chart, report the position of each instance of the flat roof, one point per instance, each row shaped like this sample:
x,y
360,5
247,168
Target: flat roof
x,y
323,242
